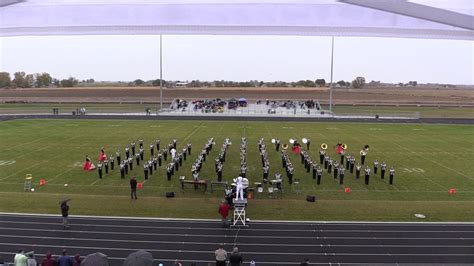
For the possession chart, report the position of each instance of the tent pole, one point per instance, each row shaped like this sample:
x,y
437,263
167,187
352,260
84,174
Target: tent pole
x,y
332,67
161,73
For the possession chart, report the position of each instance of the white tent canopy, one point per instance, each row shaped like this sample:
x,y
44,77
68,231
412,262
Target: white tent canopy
x,y
381,18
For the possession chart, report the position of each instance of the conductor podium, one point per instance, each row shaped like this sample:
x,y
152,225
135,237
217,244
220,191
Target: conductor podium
x,y
239,213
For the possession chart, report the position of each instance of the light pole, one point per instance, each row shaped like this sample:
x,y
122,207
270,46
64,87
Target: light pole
x,y
332,66
161,72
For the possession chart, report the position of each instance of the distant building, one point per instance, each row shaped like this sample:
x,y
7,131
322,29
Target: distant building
x,y
181,84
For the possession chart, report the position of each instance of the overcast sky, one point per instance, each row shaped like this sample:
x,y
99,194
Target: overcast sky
x,y
240,58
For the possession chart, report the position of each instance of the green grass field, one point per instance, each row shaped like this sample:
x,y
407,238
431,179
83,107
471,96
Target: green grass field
x,y
429,160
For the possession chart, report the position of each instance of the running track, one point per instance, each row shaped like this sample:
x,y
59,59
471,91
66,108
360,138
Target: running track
x,y
268,243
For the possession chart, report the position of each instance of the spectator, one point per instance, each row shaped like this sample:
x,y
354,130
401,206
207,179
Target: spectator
x,y
305,262
235,258
65,260
221,256
31,259
20,258
2,263
65,213
49,260
224,212
76,261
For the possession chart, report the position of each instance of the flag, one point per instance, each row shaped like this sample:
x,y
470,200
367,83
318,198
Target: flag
x,y
296,149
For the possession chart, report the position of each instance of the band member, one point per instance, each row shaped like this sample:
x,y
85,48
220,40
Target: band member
x,y
133,147
358,170
289,174
137,158
348,160
336,169
342,171
277,145
99,168
329,166
141,153
155,163
165,154
383,167
266,170
173,153
189,148
176,164
130,163
125,163
367,174
392,174
159,158
315,166
140,142
342,157
220,167
352,162
321,156
319,173
243,170
308,166
157,142
152,149
174,144
145,169
127,152
150,167
168,171
184,153
122,170
106,164
111,159
239,188
363,153
376,166
119,157
326,161
308,142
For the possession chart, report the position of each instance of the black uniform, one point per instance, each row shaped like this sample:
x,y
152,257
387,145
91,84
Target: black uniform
x,y
383,167
392,175
99,168
137,157
376,166
341,175
319,172
145,170
112,162
122,170
106,164
358,171
367,175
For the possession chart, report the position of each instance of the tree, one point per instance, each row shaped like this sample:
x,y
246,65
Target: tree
x,y
321,82
412,83
56,83
341,83
5,80
43,80
358,83
20,79
138,82
70,82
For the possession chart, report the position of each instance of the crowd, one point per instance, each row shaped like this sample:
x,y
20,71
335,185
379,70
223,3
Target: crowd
x,y
23,258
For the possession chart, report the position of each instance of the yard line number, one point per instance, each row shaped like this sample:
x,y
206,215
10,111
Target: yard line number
x,y
413,170
2,163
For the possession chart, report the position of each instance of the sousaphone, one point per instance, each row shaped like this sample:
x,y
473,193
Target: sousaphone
x,y
324,146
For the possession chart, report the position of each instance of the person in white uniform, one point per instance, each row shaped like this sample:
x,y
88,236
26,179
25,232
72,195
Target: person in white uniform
x,y
239,191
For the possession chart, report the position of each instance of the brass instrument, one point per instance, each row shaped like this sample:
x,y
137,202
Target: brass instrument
x,y
324,146
273,141
284,147
344,146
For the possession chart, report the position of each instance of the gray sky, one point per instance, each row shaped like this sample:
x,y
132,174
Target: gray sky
x,y
240,58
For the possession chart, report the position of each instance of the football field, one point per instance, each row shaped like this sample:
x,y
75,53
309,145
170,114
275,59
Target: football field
x,y
430,159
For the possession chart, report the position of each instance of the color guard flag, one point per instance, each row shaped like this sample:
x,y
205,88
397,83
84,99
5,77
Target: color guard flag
x,y
139,185
42,182
296,149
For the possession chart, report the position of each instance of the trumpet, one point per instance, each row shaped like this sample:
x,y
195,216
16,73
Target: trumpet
x,y
324,146
284,147
344,146
292,141
273,141
305,140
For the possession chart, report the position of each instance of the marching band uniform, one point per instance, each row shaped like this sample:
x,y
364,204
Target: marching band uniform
x,y
140,142
376,166
367,174
99,168
290,174
176,164
155,162
383,167
189,148
141,153
118,157
314,165
130,162
329,166
358,170
319,172
219,172
341,175
266,169
159,159
239,192
137,158
336,169
307,144
174,144
133,147
152,149
326,161
150,167
112,162
348,160
145,170
321,156
308,166
362,157
122,170
157,144
277,145
168,172
352,162
125,163
106,164
165,154
392,174
342,157
127,152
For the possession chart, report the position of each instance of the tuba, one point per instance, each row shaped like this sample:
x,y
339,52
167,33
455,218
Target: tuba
x,y
344,146
324,146
285,146
292,141
304,140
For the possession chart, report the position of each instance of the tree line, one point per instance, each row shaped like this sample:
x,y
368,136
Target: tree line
x,y
44,80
